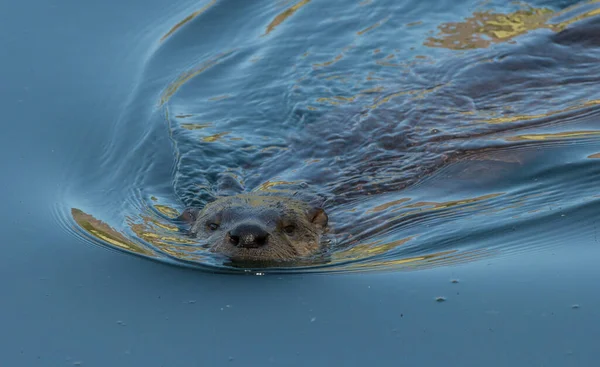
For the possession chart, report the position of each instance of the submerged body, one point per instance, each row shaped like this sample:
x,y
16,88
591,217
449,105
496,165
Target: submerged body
x,y
375,149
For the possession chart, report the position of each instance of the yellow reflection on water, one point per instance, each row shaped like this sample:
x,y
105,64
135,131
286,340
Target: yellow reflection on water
x,y
165,237
187,19
219,98
327,63
215,137
516,118
486,27
437,259
284,15
432,205
166,210
386,206
563,135
364,250
186,76
360,33
416,93
268,185
442,258
196,126
104,232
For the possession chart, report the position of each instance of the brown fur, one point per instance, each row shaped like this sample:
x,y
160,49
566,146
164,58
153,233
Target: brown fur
x,y
274,214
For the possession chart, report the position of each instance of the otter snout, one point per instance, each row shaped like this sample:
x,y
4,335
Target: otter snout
x,y
248,235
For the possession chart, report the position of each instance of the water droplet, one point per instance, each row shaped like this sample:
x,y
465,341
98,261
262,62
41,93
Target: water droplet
x,y
575,306
313,319
440,299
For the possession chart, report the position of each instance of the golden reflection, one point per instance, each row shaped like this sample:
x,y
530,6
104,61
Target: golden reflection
x,y
372,90
284,15
417,93
187,19
219,98
563,135
215,137
196,126
360,33
442,258
266,186
186,76
364,250
486,27
412,24
516,118
104,232
166,210
274,147
327,63
386,206
432,205
337,100
167,240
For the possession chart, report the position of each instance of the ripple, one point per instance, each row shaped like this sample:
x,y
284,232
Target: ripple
x,y
422,156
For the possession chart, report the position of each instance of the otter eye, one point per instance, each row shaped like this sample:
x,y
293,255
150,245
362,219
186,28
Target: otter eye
x,y
289,229
213,226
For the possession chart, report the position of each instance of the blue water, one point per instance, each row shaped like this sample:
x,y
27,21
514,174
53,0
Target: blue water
x,y
448,140
432,136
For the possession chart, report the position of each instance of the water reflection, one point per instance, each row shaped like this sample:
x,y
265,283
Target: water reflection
x,y
484,28
188,19
423,157
285,15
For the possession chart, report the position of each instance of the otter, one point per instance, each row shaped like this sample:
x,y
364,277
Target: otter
x,y
367,150
258,227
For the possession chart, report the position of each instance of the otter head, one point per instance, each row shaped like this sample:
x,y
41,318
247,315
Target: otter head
x,y
254,227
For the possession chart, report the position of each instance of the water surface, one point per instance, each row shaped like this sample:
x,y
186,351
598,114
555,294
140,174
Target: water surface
x,y
433,135
513,205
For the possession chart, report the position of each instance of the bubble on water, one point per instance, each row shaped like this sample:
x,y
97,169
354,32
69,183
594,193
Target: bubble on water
x,y
440,299
313,319
575,306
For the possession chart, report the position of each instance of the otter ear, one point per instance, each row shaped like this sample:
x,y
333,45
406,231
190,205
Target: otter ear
x,y
318,217
189,215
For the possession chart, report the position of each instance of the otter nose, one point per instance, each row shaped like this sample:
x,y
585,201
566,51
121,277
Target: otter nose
x,y
248,236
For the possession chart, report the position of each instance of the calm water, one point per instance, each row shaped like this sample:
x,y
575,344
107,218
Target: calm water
x,y
434,133
454,144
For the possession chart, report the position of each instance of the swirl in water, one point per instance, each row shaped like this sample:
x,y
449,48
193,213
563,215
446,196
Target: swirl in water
x,y
425,144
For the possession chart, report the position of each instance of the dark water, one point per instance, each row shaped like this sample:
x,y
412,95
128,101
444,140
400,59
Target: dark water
x,y
433,134
455,138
